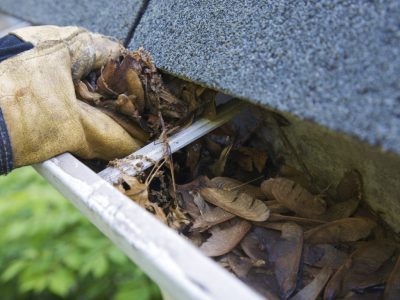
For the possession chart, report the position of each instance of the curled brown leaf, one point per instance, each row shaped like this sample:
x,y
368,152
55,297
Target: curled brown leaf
x,y
343,230
211,217
294,197
392,289
364,261
288,251
323,255
237,203
225,237
231,184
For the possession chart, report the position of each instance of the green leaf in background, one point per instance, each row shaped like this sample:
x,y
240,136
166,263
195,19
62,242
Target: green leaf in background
x,y
48,250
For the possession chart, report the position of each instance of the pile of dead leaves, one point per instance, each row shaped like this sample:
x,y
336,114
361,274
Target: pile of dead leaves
x,y
131,91
279,238
261,219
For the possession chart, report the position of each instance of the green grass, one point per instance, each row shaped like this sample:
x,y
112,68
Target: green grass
x,y
48,250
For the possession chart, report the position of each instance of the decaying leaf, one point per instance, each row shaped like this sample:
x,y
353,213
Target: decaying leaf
x,y
349,187
137,191
294,197
268,239
237,203
193,157
83,93
340,210
288,251
225,237
295,175
275,207
264,282
274,217
323,255
241,265
392,288
312,290
196,238
219,166
372,294
186,201
339,231
365,260
252,247
211,217
230,184
251,158
176,219
270,225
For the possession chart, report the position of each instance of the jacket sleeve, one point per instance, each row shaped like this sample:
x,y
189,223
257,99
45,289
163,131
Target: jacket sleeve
x,y
10,45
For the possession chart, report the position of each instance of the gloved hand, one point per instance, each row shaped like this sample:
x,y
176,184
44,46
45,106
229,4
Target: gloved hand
x,y
41,116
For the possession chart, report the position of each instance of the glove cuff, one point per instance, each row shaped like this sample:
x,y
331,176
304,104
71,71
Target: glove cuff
x,y
6,156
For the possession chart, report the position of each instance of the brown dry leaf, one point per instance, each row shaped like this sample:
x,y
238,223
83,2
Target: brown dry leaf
x,y
339,231
126,105
192,157
83,93
287,263
105,80
185,199
392,288
211,217
207,99
295,175
274,217
264,282
230,184
275,207
323,255
350,186
219,166
213,147
134,87
266,188
225,237
361,282
268,238
340,210
237,203
252,247
137,191
196,238
270,225
156,211
294,197
239,265
177,219
372,294
364,261
251,157
312,290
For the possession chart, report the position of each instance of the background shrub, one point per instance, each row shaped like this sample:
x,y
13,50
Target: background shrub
x,y
48,250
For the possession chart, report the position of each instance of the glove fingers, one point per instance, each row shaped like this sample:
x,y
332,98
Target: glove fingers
x,y
90,51
105,139
87,50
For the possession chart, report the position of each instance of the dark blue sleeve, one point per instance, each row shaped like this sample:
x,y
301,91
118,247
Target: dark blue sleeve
x,y
11,45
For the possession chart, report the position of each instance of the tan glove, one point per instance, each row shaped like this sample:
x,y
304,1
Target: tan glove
x,y
38,101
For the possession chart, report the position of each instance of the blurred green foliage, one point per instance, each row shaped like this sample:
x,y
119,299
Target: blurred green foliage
x,y
48,250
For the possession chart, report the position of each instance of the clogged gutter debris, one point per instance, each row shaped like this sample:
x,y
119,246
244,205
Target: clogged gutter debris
x,y
257,216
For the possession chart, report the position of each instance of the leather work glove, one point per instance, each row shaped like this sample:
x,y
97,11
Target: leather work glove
x,y
40,116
